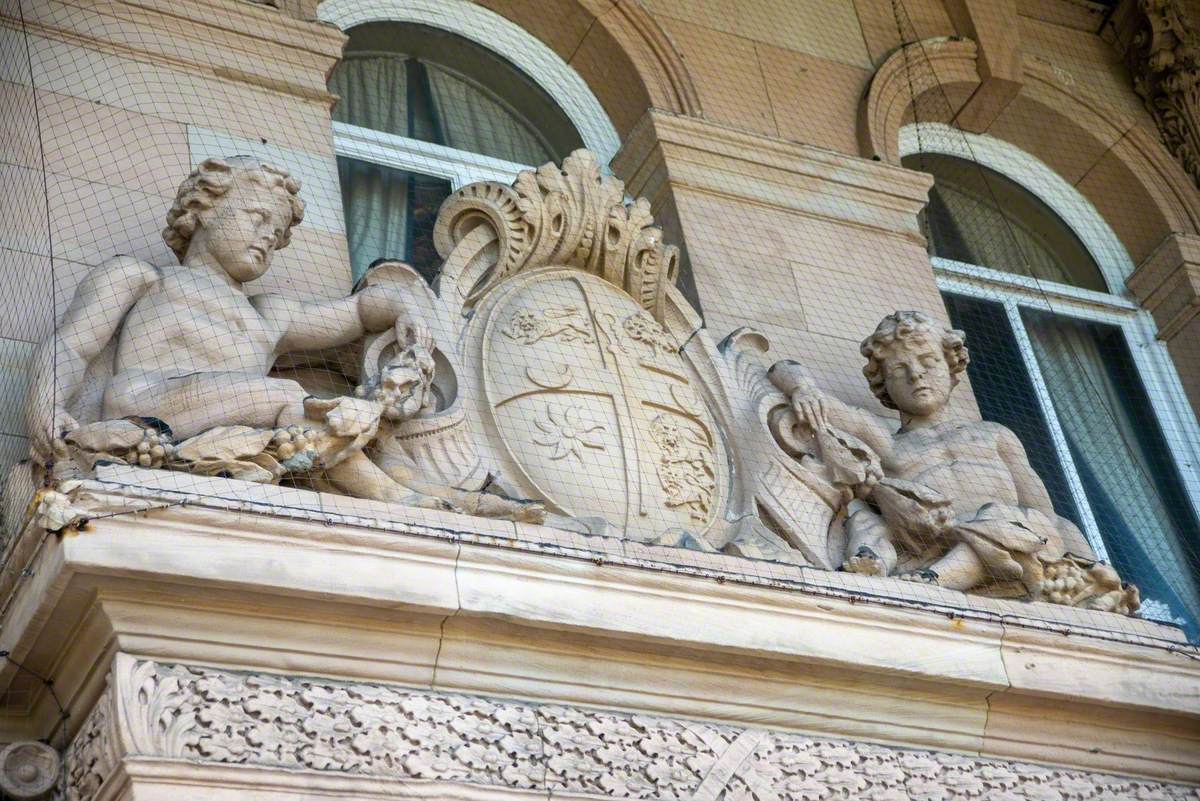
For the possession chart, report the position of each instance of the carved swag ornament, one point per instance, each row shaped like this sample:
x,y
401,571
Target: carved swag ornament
x,y
204,715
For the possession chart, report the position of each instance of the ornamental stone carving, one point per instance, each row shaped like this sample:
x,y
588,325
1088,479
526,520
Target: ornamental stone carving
x,y
943,501
28,770
552,373
167,366
208,716
1163,54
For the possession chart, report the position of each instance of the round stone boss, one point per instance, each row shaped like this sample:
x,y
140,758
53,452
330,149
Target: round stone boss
x,y
28,769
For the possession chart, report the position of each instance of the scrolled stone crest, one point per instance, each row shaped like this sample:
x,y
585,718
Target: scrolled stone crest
x,y
572,216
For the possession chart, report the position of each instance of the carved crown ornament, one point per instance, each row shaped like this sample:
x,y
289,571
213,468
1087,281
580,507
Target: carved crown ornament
x,y
552,374
1163,54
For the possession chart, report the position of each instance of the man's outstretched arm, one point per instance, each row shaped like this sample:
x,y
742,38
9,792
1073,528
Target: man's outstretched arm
x,y
100,304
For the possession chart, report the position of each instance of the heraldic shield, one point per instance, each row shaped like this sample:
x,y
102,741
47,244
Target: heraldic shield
x,y
571,371
595,406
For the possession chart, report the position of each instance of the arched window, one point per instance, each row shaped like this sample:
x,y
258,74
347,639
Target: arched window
x,y
1062,355
431,101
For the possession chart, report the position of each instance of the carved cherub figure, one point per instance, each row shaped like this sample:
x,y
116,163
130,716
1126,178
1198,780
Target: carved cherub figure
x,y
188,346
958,503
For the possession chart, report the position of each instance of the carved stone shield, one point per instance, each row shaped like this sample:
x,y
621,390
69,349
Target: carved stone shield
x,y
594,406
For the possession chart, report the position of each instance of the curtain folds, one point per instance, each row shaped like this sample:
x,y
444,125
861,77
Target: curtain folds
x,y
1121,455
374,92
475,120
375,200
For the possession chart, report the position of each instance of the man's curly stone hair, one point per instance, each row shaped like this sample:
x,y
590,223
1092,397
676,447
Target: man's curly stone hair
x,y
212,179
899,326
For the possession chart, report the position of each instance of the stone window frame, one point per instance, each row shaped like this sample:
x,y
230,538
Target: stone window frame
x,y
1117,307
488,30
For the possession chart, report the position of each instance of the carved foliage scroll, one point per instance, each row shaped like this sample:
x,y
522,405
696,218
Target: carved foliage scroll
x,y
216,716
572,216
1164,60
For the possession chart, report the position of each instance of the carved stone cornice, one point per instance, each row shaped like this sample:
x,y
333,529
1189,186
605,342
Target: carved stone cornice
x,y
206,718
428,599
1163,54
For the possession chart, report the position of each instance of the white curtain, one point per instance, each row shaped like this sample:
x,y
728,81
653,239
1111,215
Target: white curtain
x,y
375,200
1098,417
990,238
374,92
473,119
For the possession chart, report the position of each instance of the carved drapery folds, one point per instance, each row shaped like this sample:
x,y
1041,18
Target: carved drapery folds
x,y
1163,53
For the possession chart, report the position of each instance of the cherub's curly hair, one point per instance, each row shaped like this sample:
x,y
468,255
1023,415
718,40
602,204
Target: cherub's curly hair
x,y
212,179
899,326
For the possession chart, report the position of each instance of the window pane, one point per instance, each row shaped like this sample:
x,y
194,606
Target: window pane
x,y
390,215
979,216
1136,494
1005,394
428,84
373,91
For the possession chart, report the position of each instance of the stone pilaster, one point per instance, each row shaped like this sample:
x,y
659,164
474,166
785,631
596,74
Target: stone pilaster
x,y
1167,283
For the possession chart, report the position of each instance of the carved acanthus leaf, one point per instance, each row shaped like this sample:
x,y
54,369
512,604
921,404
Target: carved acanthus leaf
x,y
572,216
1164,59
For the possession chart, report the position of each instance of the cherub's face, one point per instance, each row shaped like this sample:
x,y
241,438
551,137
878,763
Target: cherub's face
x,y
916,375
244,226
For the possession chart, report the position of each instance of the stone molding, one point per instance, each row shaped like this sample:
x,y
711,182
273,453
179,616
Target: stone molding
x,y
665,152
246,42
574,620
668,82
1162,51
1167,284
208,716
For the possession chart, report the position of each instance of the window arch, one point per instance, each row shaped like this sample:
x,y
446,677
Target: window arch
x,y
1065,357
435,95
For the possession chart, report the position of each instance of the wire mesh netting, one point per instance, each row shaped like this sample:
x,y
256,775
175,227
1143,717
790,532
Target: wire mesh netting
x,y
220,292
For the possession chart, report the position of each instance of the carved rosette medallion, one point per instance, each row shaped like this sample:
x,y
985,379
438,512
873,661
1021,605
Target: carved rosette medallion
x,y
595,406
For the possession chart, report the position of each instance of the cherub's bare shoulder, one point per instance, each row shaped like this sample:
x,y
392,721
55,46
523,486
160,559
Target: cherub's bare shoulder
x,y
130,267
1002,434
275,306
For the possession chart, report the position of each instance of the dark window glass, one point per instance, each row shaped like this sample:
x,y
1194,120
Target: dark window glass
x,y
1005,393
1136,494
978,216
427,84
390,215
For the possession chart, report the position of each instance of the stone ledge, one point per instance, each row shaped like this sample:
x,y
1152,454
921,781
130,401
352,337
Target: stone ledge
x,y
230,39
664,151
1167,283
432,601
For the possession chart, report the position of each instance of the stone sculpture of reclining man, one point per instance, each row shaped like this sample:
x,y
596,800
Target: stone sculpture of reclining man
x,y
191,349
944,501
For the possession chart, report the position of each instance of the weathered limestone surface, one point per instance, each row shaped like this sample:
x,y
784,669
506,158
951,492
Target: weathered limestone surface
x,y
941,500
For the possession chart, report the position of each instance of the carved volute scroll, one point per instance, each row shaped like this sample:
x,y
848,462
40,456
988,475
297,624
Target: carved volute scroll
x,y
570,216
1163,53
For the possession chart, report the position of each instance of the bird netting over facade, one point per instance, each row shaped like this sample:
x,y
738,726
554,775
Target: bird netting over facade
x,y
920,378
